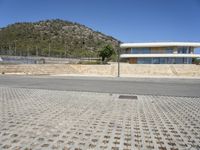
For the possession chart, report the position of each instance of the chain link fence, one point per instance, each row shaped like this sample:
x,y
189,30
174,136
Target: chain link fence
x,y
27,57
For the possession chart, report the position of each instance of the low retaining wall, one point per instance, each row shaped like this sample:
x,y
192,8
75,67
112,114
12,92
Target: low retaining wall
x,y
104,70
189,70
58,69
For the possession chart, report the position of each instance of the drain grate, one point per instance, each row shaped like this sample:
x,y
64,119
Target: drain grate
x,y
127,97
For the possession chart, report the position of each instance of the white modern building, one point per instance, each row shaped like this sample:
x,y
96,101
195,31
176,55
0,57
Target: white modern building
x,y
159,52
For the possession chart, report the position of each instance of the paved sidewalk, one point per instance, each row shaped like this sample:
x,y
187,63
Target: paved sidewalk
x,y
45,119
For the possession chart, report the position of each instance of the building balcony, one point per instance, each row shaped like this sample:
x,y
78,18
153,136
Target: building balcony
x,y
160,55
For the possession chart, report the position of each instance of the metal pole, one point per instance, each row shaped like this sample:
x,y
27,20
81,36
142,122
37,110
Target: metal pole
x,y
65,50
15,48
36,51
49,50
27,51
118,62
9,46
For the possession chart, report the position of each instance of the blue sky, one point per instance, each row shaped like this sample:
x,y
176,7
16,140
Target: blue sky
x,y
126,20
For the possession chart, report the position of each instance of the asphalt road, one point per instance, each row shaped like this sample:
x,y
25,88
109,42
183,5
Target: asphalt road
x,y
143,86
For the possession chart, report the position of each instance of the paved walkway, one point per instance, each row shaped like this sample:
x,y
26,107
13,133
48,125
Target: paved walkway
x,y
50,119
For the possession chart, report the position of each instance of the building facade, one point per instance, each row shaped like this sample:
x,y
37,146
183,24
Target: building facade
x,y
159,52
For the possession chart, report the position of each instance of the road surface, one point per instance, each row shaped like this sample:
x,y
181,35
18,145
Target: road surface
x,y
141,86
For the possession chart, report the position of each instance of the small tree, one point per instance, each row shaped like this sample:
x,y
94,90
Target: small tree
x,y
196,61
106,52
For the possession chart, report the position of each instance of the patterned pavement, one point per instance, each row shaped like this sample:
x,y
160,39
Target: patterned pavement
x,y
35,119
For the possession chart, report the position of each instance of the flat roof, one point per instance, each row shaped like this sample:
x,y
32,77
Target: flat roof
x,y
160,44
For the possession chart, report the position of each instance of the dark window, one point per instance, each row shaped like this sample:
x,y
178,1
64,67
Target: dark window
x,y
144,61
163,60
179,60
140,51
182,50
168,50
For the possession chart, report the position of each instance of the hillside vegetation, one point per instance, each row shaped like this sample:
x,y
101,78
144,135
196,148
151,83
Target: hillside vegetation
x,y
56,38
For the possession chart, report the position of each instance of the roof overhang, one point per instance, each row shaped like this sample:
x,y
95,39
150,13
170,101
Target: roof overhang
x,y
160,55
160,44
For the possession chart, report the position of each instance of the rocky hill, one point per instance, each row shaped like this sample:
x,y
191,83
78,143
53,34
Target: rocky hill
x,y
53,37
